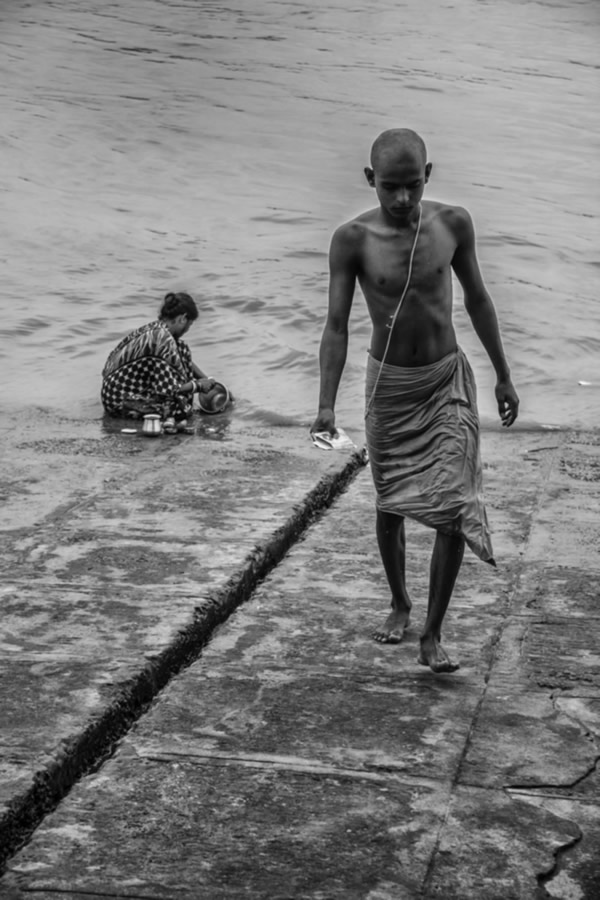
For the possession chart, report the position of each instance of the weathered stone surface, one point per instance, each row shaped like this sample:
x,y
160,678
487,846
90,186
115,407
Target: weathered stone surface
x,y
552,653
574,875
47,623
325,621
108,558
189,828
496,847
553,749
556,591
336,719
297,758
567,526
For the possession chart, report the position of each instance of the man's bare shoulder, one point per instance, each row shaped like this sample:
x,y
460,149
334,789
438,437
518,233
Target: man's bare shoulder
x,y
456,219
352,232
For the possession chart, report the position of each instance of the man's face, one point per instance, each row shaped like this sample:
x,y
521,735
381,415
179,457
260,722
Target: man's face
x,y
399,180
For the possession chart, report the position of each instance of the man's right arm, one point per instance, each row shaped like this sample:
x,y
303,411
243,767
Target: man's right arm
x,y
334,342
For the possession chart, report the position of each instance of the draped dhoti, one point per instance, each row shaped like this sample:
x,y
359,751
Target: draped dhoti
x,y
422,430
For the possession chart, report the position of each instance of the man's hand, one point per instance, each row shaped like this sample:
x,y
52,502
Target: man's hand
x,y
508,402
325,421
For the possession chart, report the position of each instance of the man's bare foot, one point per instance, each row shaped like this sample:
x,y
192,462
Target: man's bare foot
x,y
392,631
433,655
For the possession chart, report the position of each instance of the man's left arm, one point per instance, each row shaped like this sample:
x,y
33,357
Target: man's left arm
x,y
482,313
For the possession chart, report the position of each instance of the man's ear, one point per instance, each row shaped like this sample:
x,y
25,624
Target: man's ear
x,y
370,176
428,169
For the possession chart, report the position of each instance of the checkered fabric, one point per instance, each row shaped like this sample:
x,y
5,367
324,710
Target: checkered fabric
x,y
144,373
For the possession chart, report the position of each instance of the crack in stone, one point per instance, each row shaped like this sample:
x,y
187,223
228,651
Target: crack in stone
x,y
94,895
373,772
87,751
544,878
559,853
555,788
555,696
495,641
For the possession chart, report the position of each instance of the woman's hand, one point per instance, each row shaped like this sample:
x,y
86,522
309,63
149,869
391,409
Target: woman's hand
x,y
205,384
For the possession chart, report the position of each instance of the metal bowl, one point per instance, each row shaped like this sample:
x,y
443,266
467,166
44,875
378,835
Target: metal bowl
x,y
215,400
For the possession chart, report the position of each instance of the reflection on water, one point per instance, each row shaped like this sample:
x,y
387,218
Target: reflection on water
x,y
196,146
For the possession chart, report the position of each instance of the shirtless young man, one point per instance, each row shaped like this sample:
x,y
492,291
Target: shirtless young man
x,y
375,248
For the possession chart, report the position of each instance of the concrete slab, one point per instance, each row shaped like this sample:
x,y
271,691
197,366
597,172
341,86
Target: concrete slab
x,y
554,749
551,654
64,656
341,648
336,719
574,874
498,847
52,623
559,590
190,828
297,758
579,459
175,523
576,543
108,584
567,524
331,593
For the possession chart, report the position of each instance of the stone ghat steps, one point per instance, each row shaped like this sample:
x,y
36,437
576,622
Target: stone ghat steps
x,y
294,756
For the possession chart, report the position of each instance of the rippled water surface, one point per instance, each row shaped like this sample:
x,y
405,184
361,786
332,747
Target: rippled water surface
x,y
213,147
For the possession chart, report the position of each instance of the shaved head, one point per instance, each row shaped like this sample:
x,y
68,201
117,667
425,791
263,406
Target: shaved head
x,y
398,142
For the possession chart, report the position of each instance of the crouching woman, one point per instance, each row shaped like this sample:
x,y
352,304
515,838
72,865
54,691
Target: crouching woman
x,y
151,370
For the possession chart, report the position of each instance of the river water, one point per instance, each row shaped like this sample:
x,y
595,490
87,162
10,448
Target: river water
x,y
212,146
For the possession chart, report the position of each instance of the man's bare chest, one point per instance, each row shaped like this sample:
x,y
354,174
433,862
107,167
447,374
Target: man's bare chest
x,y
385,262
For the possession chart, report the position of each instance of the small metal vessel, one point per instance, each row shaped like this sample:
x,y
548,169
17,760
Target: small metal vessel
x,y
214,401
152,425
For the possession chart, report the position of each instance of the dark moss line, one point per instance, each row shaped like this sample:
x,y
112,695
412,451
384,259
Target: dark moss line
x,y
87,751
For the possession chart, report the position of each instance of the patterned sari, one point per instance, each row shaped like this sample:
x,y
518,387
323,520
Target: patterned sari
x,y
145,372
